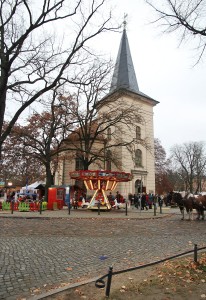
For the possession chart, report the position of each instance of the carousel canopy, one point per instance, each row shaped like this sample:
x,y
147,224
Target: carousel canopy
x,y
100,175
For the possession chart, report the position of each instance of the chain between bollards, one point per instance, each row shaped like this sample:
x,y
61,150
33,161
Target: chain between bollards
x,y
109,281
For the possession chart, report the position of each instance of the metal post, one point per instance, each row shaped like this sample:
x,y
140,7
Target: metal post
x,y
12,206
154,208
109,281
40,206
161,206
69,208
195,253
141,195
98,207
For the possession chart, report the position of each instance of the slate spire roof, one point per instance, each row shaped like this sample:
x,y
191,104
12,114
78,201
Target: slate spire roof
x,y
124,76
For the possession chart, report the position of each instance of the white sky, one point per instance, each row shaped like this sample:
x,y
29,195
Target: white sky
x,y
164,72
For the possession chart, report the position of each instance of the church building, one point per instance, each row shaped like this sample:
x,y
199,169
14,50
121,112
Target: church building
x,y
141,164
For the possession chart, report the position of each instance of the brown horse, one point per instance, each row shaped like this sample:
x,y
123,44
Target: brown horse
x,y
190,202
199,203
184,202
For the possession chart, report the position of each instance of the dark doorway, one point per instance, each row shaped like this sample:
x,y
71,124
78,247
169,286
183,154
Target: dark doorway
x,y
139,188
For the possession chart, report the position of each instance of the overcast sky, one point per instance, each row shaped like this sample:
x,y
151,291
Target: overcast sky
x,y
164,72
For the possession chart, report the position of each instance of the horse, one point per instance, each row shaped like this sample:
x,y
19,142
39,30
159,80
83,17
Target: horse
x,y
199,203
190,202
183,201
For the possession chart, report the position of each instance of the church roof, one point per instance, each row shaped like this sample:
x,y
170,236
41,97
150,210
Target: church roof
x,y
124,74
124,77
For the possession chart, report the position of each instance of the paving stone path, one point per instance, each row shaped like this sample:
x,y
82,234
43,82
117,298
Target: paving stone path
x,y
38,254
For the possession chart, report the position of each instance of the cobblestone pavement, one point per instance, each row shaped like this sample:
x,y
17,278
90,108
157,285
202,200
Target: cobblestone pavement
x,y
37,254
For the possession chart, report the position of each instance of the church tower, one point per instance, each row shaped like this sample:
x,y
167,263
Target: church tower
x,y
135,152
124,85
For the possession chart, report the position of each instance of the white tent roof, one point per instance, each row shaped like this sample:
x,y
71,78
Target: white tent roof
x,y
32,186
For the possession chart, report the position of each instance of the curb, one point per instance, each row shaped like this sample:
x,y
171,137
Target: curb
x,y
85,218
62,289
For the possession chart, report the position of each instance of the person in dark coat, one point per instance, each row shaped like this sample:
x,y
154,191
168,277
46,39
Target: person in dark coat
x,y
143,202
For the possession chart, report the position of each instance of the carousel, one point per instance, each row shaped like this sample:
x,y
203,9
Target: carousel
x,y
100,181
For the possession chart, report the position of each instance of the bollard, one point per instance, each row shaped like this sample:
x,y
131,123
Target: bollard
x,y
40,207
109,281
12,206
161,203
195,253
160,208
69,208
98,207
154,209
126,209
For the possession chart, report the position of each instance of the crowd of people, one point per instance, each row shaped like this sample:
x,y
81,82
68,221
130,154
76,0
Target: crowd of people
x,y
141,201
145,200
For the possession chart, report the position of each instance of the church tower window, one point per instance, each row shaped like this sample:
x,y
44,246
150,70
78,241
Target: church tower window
x,y
108,160
79,164
109,134
138,158
138,133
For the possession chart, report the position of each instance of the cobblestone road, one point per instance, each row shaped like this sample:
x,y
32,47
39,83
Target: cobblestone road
x,y
37,254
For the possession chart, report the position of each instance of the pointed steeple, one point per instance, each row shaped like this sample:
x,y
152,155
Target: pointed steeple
x,y
124,76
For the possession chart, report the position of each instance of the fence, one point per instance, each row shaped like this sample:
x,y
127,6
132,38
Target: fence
x,y
23,206
100,283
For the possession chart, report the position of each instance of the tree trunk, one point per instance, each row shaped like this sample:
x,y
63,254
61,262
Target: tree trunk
x,y
49,180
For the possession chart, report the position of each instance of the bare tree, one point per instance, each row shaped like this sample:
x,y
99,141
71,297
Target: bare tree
x,y
190,162
41,137
102,124
32,59
162,180
185,16
18,165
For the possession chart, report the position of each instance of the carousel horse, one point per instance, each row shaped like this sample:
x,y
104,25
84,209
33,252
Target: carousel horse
x,y
84,203
118,205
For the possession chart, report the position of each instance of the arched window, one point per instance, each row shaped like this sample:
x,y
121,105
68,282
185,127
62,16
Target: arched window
x,y
108,160
79,164
138,158
138,133
109,134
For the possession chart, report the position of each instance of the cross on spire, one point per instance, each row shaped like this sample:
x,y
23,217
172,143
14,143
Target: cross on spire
x,y
125,22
